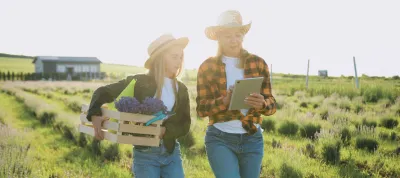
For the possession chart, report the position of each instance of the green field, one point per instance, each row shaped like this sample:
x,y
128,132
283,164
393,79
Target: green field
x,y
16,65
330,129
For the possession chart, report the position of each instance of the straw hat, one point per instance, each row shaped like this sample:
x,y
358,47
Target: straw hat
x,y
162,43
228,19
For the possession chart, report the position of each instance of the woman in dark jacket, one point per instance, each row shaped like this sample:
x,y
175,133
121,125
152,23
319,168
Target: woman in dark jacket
x,y
165,64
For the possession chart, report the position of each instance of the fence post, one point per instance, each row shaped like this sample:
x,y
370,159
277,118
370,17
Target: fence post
x,y
308,69
355,71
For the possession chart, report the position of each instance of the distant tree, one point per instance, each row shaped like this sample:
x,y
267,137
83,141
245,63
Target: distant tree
x,y
364,76
22,77
28,77
396,77
8,75
4,76
12,76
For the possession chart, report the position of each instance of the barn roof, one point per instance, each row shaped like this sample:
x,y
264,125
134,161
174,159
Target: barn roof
x,y
67,59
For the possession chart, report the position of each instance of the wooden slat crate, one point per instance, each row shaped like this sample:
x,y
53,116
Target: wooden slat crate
x,y
136,126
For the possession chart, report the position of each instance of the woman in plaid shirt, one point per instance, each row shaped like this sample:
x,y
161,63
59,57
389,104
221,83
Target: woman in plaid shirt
x,y
234,141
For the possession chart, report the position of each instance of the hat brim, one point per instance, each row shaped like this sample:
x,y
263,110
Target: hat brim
x,y
182,42
211,32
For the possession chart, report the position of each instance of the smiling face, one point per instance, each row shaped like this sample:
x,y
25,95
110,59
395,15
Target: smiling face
x,y
230,40
173,59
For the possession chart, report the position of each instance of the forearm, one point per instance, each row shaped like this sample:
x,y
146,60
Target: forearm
x,y
209,107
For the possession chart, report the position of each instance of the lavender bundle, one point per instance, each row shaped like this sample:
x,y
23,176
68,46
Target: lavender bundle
x,y
149,106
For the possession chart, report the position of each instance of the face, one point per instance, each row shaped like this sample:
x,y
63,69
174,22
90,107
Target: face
x,y
173,60
230,40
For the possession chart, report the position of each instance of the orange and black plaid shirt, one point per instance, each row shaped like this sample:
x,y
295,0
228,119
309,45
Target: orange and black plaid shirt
x,y
211,89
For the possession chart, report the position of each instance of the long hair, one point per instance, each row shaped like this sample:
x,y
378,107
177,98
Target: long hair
x,y
157,70
242,60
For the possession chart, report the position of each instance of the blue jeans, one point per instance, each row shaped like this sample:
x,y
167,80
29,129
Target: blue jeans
x,y
156,162
234,155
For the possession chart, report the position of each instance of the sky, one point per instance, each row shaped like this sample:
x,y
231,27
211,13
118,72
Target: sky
x,y
285,33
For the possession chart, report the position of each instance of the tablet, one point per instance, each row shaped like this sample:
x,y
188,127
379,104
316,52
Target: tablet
x,y
243,88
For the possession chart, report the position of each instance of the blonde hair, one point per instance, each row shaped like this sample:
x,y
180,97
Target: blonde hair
x,y
157,70
242,60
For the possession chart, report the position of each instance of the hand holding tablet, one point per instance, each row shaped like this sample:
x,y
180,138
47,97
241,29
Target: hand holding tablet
x,y
241,96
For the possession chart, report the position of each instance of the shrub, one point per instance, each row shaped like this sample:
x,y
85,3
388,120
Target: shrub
x,y
268,125
358,108
2,120
324,114
58,126
345,105
372,94
68,133
276,144
393,136
112,153
289,171
47,118
397,151
375,93
345,136
74,106
49,95
384,135
187,140
389,123
279,105
331,152
303,105
86,91
14,158
288,128
96,147
310,151
369,123
82,142
369,144
397,113
315,106
309,130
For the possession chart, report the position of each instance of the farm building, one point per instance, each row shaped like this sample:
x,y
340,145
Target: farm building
x,y
323,73
51,64
89,67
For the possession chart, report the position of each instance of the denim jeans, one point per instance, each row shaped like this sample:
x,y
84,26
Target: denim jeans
x,y
234,155
156,162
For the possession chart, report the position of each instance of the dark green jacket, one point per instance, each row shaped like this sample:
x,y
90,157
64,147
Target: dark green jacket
x,y
176,126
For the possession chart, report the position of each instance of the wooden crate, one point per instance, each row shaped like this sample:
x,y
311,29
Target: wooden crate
x,y
136,126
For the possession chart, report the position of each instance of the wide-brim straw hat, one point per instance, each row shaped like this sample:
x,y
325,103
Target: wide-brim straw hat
x,y
161,44
227,19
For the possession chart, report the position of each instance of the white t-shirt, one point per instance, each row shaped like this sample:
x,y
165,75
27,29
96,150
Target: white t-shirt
x,y
233,73
167,93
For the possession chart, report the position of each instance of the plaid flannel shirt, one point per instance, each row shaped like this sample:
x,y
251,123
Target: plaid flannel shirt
x,y
211,89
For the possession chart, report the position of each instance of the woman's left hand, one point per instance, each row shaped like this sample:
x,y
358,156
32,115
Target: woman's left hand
x,y
255,100
162,133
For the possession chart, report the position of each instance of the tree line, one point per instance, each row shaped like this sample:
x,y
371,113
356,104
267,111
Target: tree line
x,y
21,76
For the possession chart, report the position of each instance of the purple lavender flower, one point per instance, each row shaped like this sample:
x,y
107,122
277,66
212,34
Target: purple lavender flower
x,y
127,104
153,105
149,106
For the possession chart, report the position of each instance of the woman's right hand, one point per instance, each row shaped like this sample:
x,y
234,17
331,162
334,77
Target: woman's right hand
x,y
97,122
227,98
